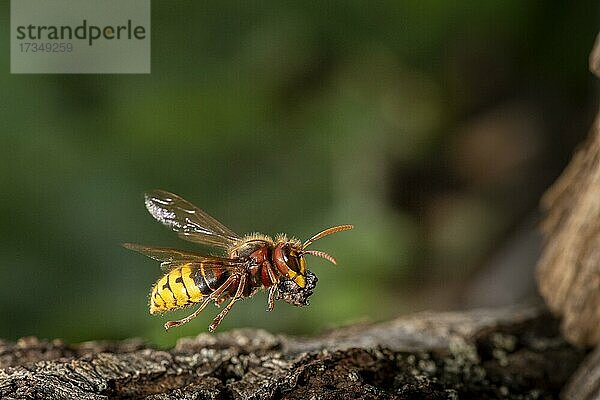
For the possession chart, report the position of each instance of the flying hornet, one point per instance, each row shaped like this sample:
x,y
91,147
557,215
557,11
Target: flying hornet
x,y
249,263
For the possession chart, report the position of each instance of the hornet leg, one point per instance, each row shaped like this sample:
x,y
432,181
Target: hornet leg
x,y
213,296
273,290
271,301
222,314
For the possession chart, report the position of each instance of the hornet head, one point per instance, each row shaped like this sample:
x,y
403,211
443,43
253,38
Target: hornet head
x,y
298,283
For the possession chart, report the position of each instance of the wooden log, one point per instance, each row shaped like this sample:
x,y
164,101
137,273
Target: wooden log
x,y
484,354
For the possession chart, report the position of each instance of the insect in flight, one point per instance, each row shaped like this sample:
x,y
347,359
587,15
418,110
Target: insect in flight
x,y
250,263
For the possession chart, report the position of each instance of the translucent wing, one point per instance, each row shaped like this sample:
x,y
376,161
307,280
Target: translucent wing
x,y
167,254
206,265
171,258
190,222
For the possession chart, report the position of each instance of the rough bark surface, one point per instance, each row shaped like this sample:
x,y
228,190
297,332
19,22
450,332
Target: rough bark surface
x,y
482,354
569,269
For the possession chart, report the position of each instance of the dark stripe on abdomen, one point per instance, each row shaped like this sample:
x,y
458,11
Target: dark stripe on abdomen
x,y
210,281
215,278
200,282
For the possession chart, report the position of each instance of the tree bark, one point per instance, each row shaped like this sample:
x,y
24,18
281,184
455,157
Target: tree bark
x,y
484,354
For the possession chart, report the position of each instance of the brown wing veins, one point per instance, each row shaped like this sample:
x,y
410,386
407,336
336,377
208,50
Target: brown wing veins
x,y
172,258
189,221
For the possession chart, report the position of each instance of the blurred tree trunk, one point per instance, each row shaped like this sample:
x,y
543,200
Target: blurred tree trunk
x,y
484,354
569,269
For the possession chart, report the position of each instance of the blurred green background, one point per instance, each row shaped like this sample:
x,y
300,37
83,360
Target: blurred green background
x,y
432,126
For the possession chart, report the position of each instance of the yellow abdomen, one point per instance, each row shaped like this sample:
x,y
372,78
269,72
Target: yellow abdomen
x,y
176,289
